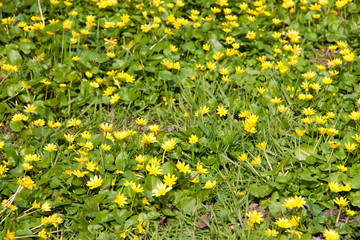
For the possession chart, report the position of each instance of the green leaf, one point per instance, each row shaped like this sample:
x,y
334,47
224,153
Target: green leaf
x,y
16,126
260,191
169,213
153,215
303,151
151,182
273,204
14,58
166,75
189,46
349,79
354,198
185,203
93,228
216,45
26,47
121,215
122,160
353,182
314,209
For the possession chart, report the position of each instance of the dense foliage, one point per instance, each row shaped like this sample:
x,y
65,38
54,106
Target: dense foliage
x,y
179,119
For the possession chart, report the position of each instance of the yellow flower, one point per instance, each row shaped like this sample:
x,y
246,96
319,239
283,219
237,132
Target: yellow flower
x,y
32,158
53,125
240,70
70,138
29,108
154,128
334,144
276,21
202,111
327,80
342,168
145,28
76,58
209,184
145,201
261,90
18,117
261,146
94,84
210,65
276,100
91,166
50,147
105,147
36,205
251,35
79,173
94,182
26,182
3,169
150,138
46,207
67,24
334,187
154,169
7,21
169,144
330,234
221,111
44,234
350,146
200,169
294,232
206,47
121,135
256,161
283,223
137,188
170,180
120,199
9,235
39,123
309,75
123,234
173,48
141,121
217,56
346,188
193,139
342,202
183,167
242,157
108,91
300,132
27,166
354,115
140,228
160,190
350,213
276,35
73,122
271,232
254,217
294,202
309,111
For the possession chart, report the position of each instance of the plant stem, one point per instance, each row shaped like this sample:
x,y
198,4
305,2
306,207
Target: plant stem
x,y
189,181
338,217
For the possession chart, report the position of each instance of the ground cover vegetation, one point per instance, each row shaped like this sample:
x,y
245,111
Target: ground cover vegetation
x,y
202,119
